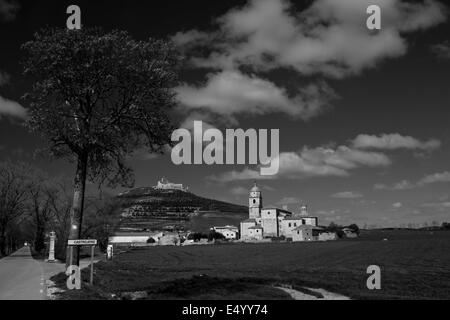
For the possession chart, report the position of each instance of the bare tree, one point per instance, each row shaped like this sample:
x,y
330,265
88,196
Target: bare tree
x,y
60,204
41,195
14,188
97,97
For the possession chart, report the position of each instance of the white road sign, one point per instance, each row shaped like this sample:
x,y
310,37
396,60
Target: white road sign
x,y
82,242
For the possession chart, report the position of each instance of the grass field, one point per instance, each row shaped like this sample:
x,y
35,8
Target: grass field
x,y
414,265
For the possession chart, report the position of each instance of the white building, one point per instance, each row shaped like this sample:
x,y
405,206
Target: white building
x,y
133,237
165,184
229,232
272,222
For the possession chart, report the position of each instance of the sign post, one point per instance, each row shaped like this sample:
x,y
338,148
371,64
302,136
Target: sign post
x,y
91,281
87,243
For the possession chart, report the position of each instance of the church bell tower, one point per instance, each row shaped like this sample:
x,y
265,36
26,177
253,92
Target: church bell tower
x,y
255,202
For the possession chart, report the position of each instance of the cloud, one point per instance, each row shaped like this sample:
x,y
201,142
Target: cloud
x,y
394,141
438,206
313,162
402,185
440,177
9,107
8,10
329,37
328,212
289,200
397,205
435,178
239,191
442,50
230,93
12,109
347,195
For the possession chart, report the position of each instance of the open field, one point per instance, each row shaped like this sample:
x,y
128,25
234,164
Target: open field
x,y
414,265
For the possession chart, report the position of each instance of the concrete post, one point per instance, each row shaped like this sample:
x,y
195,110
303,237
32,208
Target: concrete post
x,y
51,255
110,251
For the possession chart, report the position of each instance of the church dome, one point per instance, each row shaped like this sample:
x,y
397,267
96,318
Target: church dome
x,y
255,188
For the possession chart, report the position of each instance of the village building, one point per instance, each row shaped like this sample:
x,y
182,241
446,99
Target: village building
x,y
130,238
306,233
229,232
275,222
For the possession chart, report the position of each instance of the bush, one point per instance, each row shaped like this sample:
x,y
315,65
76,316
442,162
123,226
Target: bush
x,y
355,228
213,235
197,236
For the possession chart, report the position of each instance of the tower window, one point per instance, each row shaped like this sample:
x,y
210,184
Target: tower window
x,y
254,201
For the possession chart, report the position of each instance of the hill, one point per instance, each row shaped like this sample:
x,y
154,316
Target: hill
x,y
155,209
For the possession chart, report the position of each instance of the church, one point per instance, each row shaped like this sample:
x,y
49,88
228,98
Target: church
x,y
275,222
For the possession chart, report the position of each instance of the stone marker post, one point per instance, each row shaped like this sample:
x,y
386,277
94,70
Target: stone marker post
x,y
109,251
51,255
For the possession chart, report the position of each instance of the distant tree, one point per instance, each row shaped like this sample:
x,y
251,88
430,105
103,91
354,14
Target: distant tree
x,y
14,188
333,227
102,217
41,194
213,235
97,97
355,228
61,205
197,236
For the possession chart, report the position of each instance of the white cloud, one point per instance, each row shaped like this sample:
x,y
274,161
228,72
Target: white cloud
x,y
347,195
8,107
394,141
289,200
435,178
402,185
230,93
440,177
12,109
397,205
316,162
329,37
438,206
328,213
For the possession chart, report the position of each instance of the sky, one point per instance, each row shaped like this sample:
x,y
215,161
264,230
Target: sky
x,y
363,115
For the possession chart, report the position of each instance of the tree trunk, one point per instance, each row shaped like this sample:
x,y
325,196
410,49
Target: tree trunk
x,y
76,213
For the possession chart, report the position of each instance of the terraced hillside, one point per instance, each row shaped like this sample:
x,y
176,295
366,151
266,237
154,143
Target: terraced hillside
x,y
155,209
